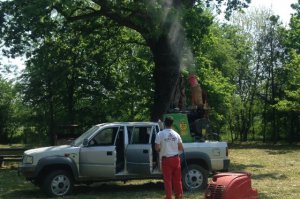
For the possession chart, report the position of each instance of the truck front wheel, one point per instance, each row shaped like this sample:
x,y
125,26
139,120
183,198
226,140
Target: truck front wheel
x,y
194,177
58,183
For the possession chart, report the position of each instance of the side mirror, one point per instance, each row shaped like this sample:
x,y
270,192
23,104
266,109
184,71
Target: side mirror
x,y
85,142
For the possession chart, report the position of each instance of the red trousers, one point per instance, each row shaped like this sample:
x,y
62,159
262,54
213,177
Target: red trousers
x,y
172,177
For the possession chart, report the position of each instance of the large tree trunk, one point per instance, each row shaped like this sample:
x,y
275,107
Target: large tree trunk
x,y
50,121
167,57
70,101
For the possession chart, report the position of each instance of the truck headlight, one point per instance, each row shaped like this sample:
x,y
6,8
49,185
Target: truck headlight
x,y
27,159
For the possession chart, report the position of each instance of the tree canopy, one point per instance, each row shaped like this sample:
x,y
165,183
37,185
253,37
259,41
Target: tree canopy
x,y
97,61
161,24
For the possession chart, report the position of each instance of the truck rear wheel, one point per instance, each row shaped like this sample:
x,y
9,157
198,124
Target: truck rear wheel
x,y
194,177
58,183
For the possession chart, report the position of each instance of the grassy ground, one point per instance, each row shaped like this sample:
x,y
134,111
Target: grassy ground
x,y
275,174
275,169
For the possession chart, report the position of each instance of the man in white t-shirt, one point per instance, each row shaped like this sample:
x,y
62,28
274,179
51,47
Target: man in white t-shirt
x,y
169,143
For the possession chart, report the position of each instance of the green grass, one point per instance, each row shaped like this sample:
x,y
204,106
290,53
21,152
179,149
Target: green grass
x,y
16,187
275,169
11,146
275,174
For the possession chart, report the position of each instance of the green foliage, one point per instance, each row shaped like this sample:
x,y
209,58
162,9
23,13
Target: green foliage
x,y
71,80
196,22
291,100
293,40
98,61
6,96
286,102
10,116
263,81
220,91
225,73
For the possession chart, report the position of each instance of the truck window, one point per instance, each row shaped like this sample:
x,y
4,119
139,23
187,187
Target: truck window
x,y
140,135
106,137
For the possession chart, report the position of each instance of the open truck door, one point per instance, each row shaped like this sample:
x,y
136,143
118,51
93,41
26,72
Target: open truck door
x,y
140,151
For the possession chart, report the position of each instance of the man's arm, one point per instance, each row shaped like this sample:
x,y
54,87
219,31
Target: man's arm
x,y
180,146
157,142
157,147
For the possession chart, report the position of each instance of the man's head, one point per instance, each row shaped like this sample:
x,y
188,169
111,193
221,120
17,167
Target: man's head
x,y
168,121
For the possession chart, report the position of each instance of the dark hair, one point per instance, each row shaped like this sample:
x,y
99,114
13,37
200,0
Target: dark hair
x,y
168,121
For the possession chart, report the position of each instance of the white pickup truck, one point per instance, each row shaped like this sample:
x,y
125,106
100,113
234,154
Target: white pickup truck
x,y
117,151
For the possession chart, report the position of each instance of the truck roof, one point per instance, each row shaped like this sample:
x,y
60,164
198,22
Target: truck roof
x,y
128,124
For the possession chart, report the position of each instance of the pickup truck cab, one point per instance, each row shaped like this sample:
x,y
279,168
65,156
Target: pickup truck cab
x,y
117,151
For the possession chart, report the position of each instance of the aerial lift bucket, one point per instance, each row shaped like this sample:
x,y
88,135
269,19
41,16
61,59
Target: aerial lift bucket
x,y
235,185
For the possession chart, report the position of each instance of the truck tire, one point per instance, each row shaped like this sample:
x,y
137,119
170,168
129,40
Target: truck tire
x,y
194,177
58,183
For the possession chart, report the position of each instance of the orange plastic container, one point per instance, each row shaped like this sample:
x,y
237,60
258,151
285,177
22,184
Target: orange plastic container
x,y
231,186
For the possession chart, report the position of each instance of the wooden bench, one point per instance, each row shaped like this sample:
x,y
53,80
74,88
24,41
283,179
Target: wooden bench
x,y
10,158
11,155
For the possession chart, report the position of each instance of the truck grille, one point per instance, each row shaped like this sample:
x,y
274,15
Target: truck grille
x,y
214,191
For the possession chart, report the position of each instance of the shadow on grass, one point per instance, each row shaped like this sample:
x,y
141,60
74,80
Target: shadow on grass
x,y
97,190
282,148
24,193
279,151
264,196
119,187
149,190
242,167
276,176
14,186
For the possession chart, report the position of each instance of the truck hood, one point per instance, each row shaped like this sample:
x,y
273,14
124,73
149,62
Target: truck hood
x,y
63,150
52,150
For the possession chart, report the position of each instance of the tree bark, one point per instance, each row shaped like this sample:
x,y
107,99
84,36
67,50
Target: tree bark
x,y
50,118
167,56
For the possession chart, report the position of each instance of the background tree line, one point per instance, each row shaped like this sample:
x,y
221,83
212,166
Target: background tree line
x,y
90,62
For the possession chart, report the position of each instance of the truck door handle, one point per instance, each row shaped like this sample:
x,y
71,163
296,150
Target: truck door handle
x,y
145,151
109,152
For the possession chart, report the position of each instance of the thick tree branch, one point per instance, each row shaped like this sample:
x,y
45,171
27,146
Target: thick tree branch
x,y
112,12
130,20
84,16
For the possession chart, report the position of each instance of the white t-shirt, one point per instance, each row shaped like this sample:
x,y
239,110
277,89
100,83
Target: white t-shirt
x,y
168,140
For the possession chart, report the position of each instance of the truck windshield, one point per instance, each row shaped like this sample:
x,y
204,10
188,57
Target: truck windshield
x,y
87,134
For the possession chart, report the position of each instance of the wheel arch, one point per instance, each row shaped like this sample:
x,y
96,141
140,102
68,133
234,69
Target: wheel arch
x,y
198,158
48,164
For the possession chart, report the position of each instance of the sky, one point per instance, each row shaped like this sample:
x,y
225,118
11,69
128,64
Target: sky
x,y
279,7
